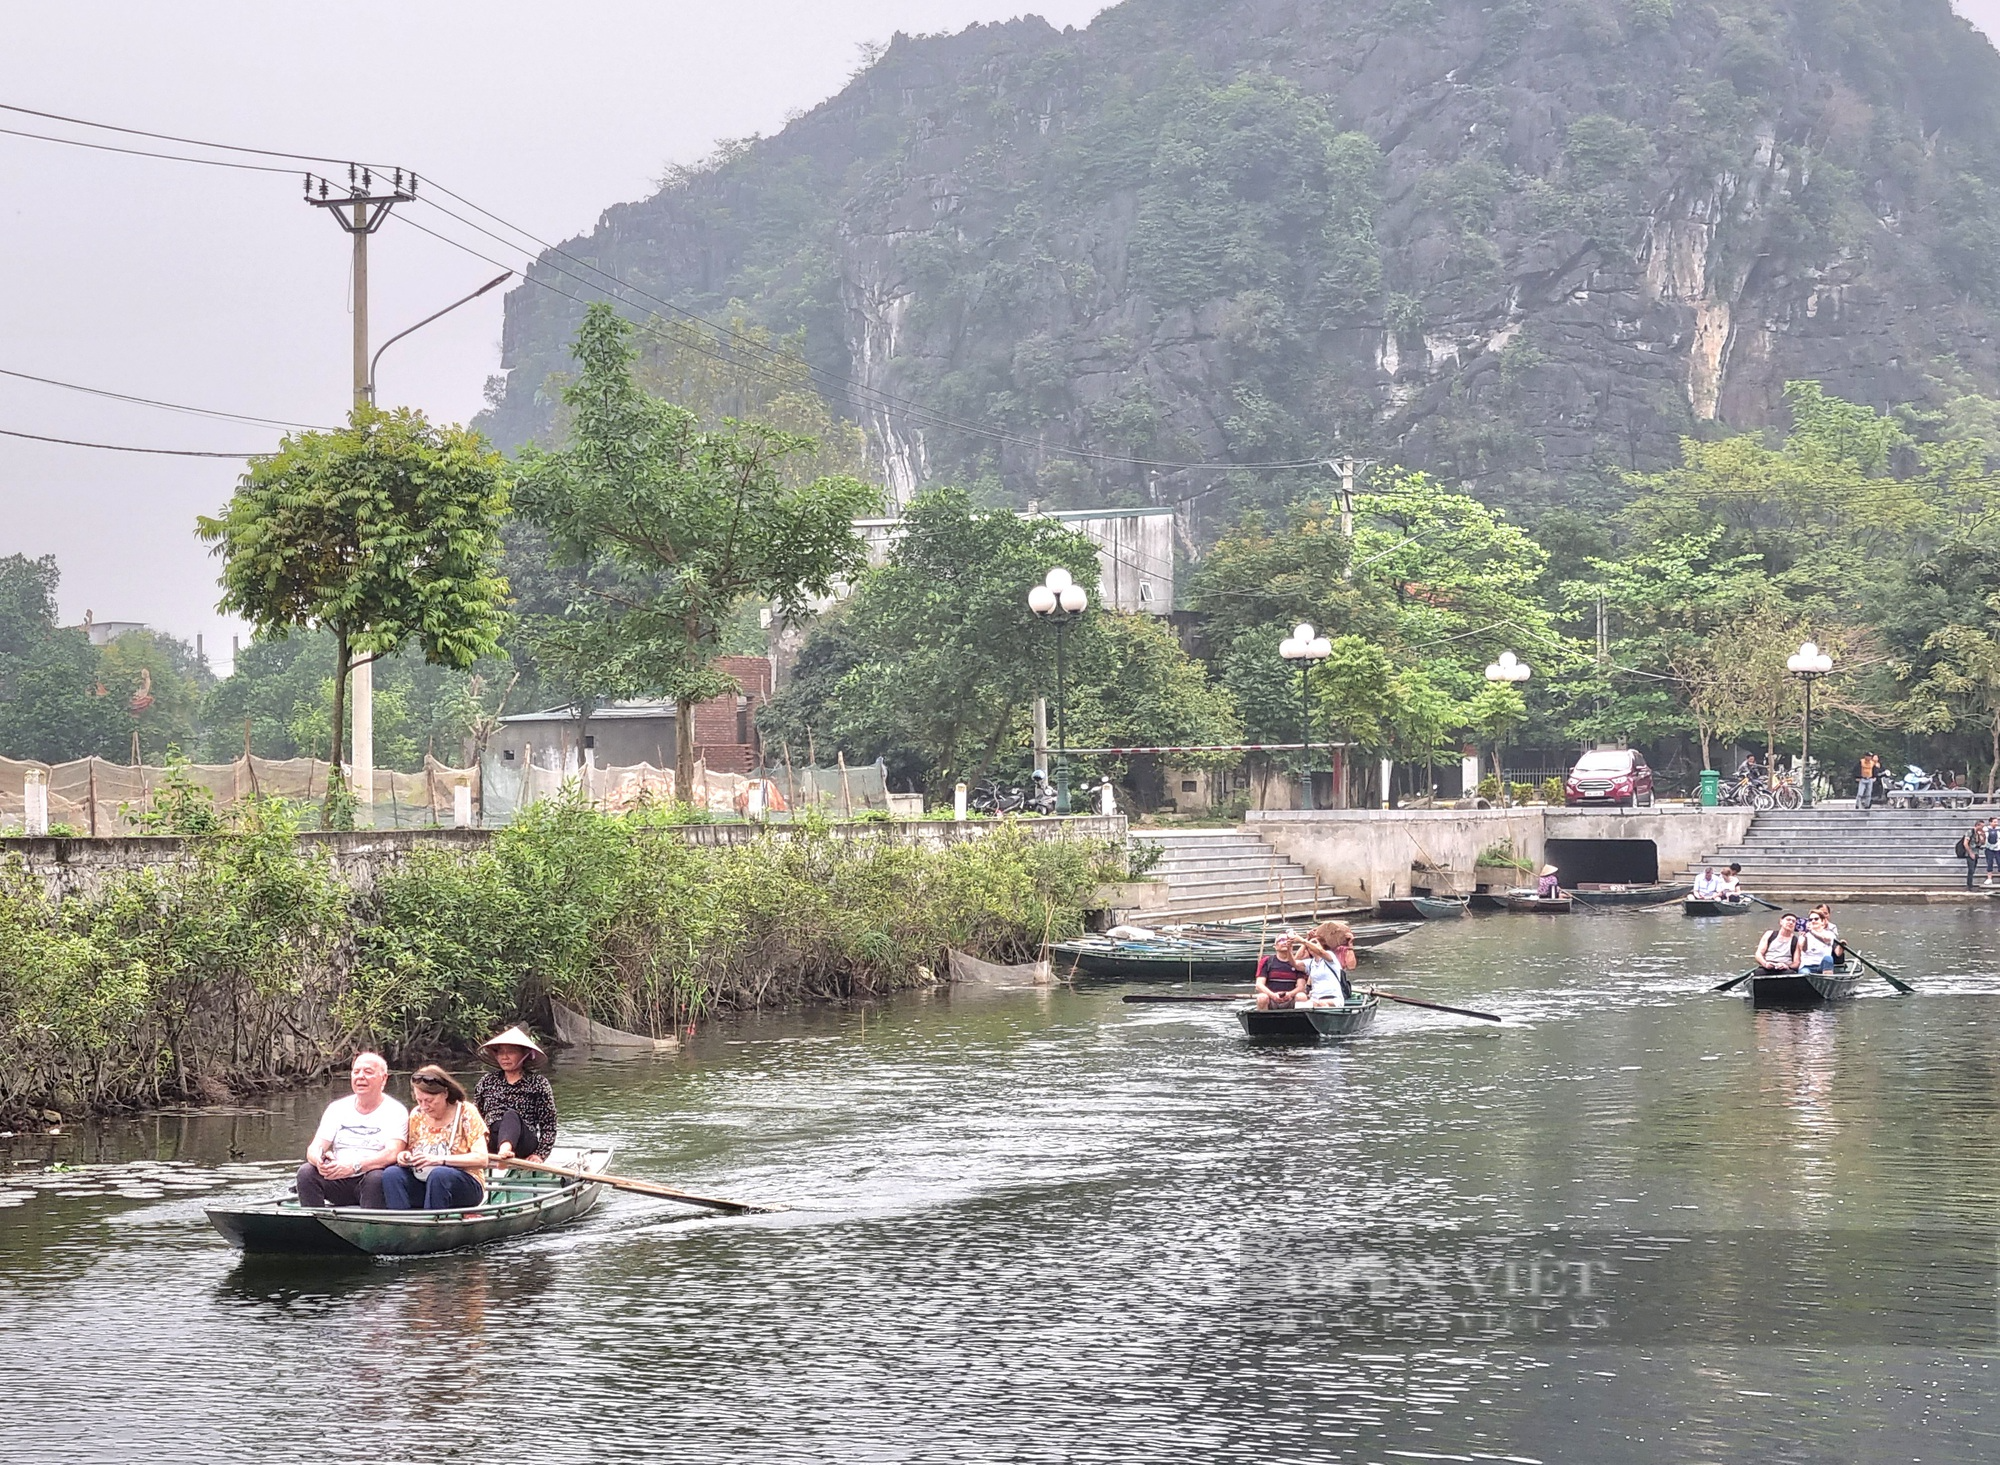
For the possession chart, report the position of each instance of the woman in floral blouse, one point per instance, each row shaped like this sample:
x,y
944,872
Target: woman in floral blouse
x,y
518,1104
443,1151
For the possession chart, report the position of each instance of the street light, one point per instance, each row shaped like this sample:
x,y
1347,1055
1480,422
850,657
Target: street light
x,y
1060,599
1808,664
1306,647
376,359
1506,669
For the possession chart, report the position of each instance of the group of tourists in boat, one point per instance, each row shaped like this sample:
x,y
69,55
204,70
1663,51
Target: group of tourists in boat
x,y
1811,945
1724,885
371,1151
1309,970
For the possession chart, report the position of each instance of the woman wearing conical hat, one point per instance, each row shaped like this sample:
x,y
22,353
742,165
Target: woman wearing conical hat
x,y
517,1103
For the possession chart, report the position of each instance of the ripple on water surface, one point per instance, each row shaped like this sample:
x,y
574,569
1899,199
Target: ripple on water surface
x,y
1049,1226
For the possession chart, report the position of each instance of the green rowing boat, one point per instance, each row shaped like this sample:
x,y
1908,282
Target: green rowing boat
x,y
516,1205
1307,1024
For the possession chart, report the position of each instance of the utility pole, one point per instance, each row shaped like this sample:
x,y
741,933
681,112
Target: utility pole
x,y
1345,468
361,211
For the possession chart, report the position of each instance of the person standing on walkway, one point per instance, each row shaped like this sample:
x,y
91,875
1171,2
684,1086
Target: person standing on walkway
x,y
1992,849
1969,849
1864,781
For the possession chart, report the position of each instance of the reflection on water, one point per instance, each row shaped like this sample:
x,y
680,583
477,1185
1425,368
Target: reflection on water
x,y
1044,1225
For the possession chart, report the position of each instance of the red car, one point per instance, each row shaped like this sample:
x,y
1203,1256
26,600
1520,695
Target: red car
x,y
1609,776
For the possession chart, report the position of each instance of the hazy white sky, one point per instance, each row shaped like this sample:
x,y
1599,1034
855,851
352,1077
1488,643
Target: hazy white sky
x,y
219,289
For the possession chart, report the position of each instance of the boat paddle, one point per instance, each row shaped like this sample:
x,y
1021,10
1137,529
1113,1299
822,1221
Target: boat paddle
x,y
1434,1006
1185,997
1901,986
637,1187
1725,986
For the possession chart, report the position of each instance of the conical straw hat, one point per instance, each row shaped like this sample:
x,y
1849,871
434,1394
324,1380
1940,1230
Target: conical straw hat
x,y
516,1037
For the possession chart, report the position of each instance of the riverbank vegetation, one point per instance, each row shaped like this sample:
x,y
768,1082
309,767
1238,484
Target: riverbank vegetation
x,y
253,962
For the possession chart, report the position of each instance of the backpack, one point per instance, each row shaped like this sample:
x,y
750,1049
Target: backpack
x,y
1959,849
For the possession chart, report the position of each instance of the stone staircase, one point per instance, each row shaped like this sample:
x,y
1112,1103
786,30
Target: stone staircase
x,y
1224,874
1838,850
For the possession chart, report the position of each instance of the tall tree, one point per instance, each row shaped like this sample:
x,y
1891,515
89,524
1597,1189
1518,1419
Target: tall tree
x,y
385,532
680,525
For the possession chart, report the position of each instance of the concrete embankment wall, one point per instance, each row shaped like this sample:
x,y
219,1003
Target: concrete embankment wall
x,y
1367,853
80,866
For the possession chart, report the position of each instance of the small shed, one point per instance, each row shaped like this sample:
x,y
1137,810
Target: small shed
x,y
620,735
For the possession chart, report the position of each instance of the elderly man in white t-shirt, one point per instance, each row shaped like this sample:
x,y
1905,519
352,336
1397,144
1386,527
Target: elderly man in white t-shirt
x,y
358,1137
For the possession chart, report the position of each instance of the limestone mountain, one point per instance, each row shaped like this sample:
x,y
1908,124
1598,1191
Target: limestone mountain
x,y
1526,245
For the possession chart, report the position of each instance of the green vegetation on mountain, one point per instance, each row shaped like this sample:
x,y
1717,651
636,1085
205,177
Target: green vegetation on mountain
x,y
1525,247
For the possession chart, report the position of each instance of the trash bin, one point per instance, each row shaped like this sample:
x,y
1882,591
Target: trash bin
x,y
1711,788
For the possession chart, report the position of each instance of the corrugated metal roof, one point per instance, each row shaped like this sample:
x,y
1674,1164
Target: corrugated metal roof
x,y
651,708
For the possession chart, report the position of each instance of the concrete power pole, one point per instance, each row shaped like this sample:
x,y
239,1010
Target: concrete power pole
x,y
361,211
1345,468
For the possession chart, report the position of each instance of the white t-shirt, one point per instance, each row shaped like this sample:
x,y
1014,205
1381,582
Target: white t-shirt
x,y
1325,977
1707,886
354,1136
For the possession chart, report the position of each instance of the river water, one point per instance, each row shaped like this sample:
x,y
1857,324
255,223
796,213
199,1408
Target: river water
x,y
1635,1222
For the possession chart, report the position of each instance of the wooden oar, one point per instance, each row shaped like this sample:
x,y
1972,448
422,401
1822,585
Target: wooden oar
x,y
1725,986
1185,997
1901,986
1434,1006
637,1187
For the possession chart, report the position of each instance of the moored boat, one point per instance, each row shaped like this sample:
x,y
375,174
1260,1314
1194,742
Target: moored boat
x,y
1307,1024
1699,906
1527,900
1806,989
515,1205
1191,957
1653,892
1420,907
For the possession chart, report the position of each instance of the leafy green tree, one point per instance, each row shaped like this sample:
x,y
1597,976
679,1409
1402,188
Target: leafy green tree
x,y
1961,688
683,525
380,534
49,707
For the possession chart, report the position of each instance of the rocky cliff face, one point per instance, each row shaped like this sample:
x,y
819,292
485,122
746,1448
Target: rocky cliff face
x,y
1526,245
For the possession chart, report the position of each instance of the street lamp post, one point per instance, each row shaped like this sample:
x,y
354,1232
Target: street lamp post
x,y
1506,669
376,360
1060,599
1808,664
1307,647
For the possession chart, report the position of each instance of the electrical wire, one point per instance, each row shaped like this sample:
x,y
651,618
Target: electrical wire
x,y
49,381
70,442
858,394
105,147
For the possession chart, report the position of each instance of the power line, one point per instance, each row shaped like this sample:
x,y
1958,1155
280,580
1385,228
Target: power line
x,y
49,381
105,147
228,147
858,394
70,442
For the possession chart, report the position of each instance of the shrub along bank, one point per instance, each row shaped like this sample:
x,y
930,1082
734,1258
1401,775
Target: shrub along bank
x,y
253,962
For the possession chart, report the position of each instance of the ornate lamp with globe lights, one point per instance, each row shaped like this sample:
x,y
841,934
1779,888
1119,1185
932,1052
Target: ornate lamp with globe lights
x,y
1507,669
1808,664
1308,648
1060,599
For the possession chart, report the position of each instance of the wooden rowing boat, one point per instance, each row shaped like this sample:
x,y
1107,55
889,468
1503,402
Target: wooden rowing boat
x,y
1695,906
1191,957
1806,989
1420,907
1527,900
1307,1024
516,1205
1656,892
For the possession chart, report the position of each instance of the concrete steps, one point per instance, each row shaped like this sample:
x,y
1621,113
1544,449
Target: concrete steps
x,y
1842,849
1222,874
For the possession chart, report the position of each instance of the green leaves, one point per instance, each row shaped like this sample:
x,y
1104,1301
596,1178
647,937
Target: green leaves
x,y
672,527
